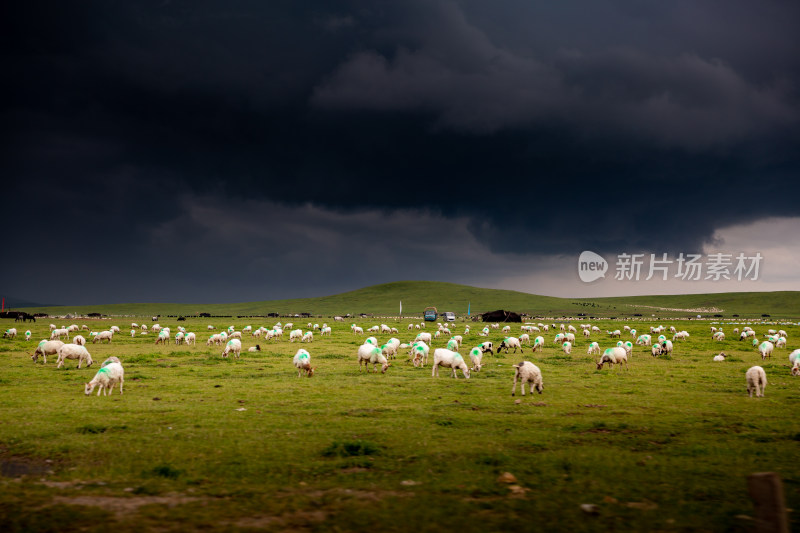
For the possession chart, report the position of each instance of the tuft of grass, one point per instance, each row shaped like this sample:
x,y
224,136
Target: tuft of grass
x,y
165,471
351,449
92,429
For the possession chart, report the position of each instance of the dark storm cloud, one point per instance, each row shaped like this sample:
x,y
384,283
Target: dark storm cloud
x,y
542,129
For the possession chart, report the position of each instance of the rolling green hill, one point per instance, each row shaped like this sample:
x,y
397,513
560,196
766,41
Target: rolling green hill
x,y
384,300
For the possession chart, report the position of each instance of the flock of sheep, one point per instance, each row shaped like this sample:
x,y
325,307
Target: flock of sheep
x,y
375,354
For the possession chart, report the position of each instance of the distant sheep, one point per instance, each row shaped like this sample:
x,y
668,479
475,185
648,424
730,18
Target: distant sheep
x,y
720,357
527,372
756,381
10,333
594,349
256,348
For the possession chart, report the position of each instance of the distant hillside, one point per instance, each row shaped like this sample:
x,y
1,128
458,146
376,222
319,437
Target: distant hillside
x,y
12,303
384,300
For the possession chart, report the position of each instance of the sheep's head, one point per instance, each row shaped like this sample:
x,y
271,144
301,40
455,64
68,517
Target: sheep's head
x,y
796,370
311,371
539,387
385,367
88,388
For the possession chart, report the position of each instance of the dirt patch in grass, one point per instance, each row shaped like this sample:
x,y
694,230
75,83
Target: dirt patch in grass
x,y
123,506
299,518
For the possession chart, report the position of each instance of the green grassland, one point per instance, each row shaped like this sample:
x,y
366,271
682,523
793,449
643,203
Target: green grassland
x,y
383,300
198,442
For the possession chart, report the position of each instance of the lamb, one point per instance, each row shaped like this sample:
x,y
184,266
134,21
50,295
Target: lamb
x,y
302,362
510,342
719,336
527,372
765,349
144,328
74,351
295,334
10,333
46,348
595,329
452,345
106,377
448,359
756,381
594,349
572,329
720,358
459,339
374,329
79,339
256,348
586,333
612,356
369,354
484,332
236,335
210,327
559,338
214,339
308,337
419,352
103,336
233,345
794,360
133,333
410,327
781,342
570,337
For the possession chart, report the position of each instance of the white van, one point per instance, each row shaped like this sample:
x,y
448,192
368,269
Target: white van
x,y
450,317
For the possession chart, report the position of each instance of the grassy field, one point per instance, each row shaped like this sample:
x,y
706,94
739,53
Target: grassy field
x,y
383,300
200,442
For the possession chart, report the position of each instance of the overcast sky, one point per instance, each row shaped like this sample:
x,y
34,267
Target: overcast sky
x,y
205,151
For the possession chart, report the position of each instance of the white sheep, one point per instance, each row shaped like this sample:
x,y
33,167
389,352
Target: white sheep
x,y
256,348
326,330
295,334
538,343
112,359
756,381
79,339
28,335
371,340
594,349
423,336
586,333
567,347
615,333
765,349
419,353
527,372
46,348
10,333
210,327
452,345
114,329
449,359
308,337
179,337
656,350
510,342
357,330
302,362
190,338
369,354
794,360
233,345
103,336
163,338
643,340
781,343
719,336
666,347
106,377
133,333
682,335
58,333
476,356
525,339
720,358
74,351
506,329
613,356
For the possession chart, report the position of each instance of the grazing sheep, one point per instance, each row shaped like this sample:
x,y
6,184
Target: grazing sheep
x,y
112,359
449,359
666,347
611,356
163,337
133,333
114,329
720,358
506,329
538,344
390,348
371,340
719,336
10,333
616,333
79,339
682,335
586,333
423,336
781,342
302,362
74,351
643,340
527,372
46,348
594,349
567,347
103,336
559,338
419,353
357,330
510,342
190,338
794,360
487,346
525,339
656,350
595,329
28,335
572,329
308,337
255,348
295,334
326,330
369,354
765,349
756,381
106,377
233,345
58,333
452,345
179,337
476,356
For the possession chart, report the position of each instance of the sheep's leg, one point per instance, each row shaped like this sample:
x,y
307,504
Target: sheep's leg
x,y
514,388
435,371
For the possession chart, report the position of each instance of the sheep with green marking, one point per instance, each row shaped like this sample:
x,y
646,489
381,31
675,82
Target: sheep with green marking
x,y
302,362
233,346
594,349
46,348
106,377
369,354
765,349
612,356
419,353
449,359
527,372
